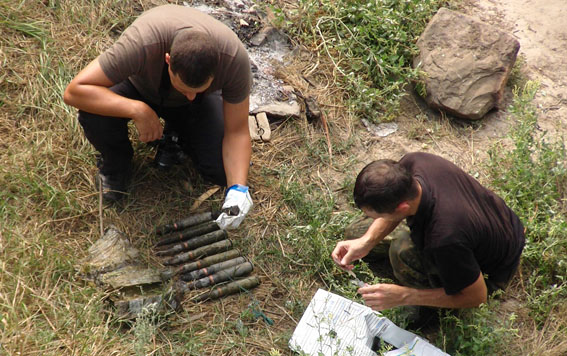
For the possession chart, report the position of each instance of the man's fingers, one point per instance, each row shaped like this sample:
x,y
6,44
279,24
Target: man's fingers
x,y
347,259
338,253
150,135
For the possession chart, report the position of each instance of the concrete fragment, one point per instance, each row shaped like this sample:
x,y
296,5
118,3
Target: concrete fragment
x,y
259,127
381,130
466,64
280,110
263,126
269,36
253,128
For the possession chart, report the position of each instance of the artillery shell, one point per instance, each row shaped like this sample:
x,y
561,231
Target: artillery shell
x,y
188,233
211,249
221,276
195,242
207,271
207,261
231,288
187,222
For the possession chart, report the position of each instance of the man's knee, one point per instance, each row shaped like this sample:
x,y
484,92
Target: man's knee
x,y
407,262
213,173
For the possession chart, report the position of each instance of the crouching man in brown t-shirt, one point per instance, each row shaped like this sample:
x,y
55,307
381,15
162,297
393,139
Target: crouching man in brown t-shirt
x,y
460,233
191,70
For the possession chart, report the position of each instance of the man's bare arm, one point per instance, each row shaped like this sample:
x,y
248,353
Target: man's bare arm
x,y
379,229
236,147
386,296
89,92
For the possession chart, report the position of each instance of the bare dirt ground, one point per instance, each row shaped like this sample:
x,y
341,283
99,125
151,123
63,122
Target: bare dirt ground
x,y
540,29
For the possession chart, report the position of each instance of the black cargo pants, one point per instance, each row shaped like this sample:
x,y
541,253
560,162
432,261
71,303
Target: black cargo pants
x,y
200,127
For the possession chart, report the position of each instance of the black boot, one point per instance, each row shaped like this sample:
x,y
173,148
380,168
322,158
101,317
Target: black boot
x,y
114,186
169,151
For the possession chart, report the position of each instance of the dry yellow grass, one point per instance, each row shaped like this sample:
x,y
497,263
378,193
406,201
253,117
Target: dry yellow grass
x,y
50,213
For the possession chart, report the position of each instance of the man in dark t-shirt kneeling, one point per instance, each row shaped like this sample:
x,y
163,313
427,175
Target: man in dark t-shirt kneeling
x,y
460,232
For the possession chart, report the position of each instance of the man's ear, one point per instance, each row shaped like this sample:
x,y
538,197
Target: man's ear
x,y
167,57
403,208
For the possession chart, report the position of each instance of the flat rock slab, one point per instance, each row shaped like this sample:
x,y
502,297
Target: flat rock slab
x,y
466,63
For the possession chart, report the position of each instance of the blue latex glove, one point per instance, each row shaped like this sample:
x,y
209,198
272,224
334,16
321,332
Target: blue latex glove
x,y
236,205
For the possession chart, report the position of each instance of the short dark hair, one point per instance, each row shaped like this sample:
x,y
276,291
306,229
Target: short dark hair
x,y
382,185
194,57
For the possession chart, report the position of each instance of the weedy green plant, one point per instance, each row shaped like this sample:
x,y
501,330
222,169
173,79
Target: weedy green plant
x,y
476,332
532,179
371,45
144,329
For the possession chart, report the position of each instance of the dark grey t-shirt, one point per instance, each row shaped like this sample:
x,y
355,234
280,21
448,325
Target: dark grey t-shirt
x,y
139,55
462,227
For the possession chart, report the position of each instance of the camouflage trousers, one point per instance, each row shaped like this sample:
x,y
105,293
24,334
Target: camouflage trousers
x,y
411,267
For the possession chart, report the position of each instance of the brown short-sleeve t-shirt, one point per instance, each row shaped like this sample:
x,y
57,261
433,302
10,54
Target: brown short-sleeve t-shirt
x,y
139,55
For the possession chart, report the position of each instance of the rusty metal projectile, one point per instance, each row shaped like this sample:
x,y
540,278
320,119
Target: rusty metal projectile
x,y
200,273
241,285
187,222
202,263
188,233
223,245
193,243
224,275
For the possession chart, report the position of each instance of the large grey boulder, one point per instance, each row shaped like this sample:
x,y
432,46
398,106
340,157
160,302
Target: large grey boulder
x,y
466,64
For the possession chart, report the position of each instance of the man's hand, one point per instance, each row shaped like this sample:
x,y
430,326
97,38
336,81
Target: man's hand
x,y
89,91
384,296
350,250
236,205
147,123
